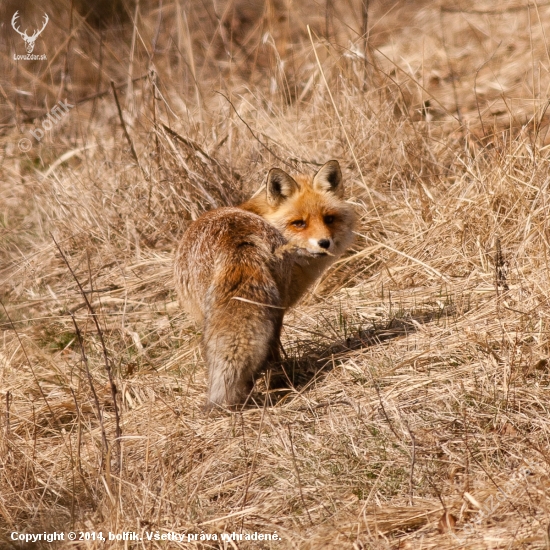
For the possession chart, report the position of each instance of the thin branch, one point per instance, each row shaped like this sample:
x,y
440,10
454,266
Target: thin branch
x,y
413,461
451,70
298,474
118,430
128,138
29,362
352,150
91,382
493,12
254,135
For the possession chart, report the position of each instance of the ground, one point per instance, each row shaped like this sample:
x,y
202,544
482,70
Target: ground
x,y
411,408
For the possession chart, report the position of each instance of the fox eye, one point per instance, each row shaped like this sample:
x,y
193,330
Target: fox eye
x,y
298,223
328,219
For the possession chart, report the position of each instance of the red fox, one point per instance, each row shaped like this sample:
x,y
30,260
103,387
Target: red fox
x,y
238,269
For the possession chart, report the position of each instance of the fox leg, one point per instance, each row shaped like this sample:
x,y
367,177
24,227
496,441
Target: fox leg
x,y
275,345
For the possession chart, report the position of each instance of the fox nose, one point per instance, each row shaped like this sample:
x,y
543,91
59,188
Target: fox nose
x,y
324,243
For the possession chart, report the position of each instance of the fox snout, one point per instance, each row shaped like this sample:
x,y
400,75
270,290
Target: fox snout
x,y
319,246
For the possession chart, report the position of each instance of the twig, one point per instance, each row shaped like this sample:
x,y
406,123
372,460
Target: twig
x,y
352,151
326,404
106,92
413,259
500,268
298,473
98,94
236,174
423,88
328,17
7,413
254,456
63,85
98,83
413,460
79,441
196,147
118,430
130,94
29,362
157,32
390,424
470,452
128,138
153,80
451,70
253,134
365,30
493,12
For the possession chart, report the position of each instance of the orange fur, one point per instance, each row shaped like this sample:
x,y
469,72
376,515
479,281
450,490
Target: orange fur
x,y
238,269
285,200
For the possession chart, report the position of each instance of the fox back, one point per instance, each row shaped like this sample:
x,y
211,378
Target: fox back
x,y
231,278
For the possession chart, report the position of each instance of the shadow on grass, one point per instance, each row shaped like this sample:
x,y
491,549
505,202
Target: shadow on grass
x,y
311,361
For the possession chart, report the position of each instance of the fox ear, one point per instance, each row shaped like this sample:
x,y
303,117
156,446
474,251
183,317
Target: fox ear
x,y
280,186
329,178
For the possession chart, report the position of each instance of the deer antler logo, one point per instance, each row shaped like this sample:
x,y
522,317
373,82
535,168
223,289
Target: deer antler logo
x,y
29,40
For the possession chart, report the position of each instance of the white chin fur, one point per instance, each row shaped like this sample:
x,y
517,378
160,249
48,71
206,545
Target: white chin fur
x,y
310,252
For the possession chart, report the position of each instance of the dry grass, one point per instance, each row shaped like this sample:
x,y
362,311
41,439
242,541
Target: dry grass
x,y
417,381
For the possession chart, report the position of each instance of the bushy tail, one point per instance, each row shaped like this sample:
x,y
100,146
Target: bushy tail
x,y
242,325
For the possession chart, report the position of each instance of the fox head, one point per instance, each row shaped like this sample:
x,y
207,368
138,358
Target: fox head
x,y
309,211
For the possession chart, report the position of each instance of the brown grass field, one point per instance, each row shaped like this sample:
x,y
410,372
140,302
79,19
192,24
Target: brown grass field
x,y
412,408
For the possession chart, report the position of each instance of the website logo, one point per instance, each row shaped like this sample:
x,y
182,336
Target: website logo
x,y
29,40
